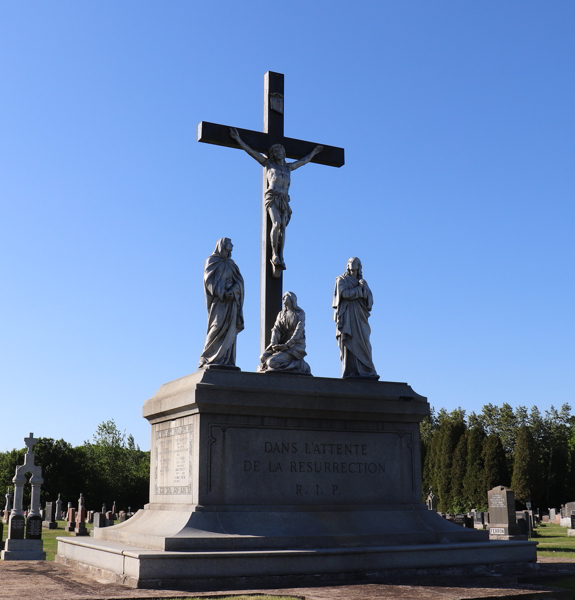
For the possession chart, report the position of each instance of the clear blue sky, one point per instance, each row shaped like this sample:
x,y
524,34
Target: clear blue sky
x,y
458,123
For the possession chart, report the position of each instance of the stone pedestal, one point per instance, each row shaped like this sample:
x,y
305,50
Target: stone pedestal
x,y
261,477
15,549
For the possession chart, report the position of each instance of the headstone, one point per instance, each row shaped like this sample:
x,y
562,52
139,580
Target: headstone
x,y
459,519
114,511
110,517
80,528
431,501
71,518
100,520
523,525
502,519
49,521
34,527
58,516
468,522
8,507
552,513
545,518
18,546
90,516
122,516
569,508
16,527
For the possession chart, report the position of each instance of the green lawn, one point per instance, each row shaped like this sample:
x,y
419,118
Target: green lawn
x,y
553,541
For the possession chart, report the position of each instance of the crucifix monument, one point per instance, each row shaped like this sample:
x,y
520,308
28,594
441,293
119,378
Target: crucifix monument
x,y
271,142
279,477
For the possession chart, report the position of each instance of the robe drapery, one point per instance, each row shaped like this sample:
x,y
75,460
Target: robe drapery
x,y
289,329
225,315
352,311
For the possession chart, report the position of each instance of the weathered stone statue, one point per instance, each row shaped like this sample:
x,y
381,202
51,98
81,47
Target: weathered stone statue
x,y
224,288
352,301
287,347
276,198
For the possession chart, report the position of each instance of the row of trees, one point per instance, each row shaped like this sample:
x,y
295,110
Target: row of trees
x,y
110,468
465,456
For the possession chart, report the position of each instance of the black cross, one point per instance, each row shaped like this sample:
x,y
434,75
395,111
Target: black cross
x,y
211,133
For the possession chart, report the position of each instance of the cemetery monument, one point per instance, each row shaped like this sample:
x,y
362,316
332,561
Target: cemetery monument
x,y
257,477
24,540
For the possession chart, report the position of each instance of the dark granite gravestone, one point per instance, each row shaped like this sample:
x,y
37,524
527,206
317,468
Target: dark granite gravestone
x,y
16,527
468,522
459,519
502,519
572,521
34,527
523,525
49,521
478,518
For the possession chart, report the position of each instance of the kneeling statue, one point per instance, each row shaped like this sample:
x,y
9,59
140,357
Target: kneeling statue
x,y
287,346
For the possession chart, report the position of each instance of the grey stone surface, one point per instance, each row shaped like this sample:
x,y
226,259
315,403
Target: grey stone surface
x,y
16,549
352,302
286,350
100,520
271,275
280,476
50,516
224,288
502,518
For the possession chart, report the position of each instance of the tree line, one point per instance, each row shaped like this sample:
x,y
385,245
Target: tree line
x,y
109,468
465,456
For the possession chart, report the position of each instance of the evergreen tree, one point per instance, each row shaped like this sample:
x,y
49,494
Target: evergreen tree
x,y
524,480
494,463
474,481
459,501
451,429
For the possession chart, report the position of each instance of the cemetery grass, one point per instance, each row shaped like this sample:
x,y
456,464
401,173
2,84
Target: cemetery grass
x,y
49,536
554,542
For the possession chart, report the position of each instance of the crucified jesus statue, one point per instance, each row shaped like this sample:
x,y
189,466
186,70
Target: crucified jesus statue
x,y
276,198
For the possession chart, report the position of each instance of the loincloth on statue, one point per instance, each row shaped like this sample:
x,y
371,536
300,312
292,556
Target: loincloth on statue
x,y
280,201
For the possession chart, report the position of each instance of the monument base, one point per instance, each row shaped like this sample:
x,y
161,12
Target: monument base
x,y
257,480
23,550
49,525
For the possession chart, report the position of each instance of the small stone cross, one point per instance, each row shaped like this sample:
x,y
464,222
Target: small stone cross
x,y
30,443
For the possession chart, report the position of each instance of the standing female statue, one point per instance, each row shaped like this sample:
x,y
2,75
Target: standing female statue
x,y
287,346
224,287
276,198
352,301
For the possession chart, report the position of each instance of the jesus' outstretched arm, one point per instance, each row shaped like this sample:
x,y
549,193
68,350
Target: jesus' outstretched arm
x,y
300,163
236,136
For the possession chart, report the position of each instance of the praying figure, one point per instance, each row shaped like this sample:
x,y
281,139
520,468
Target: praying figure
x,y
352,301
276,198
224,287
287,346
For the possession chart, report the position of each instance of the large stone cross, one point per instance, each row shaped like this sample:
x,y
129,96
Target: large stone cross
x,y
211,133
